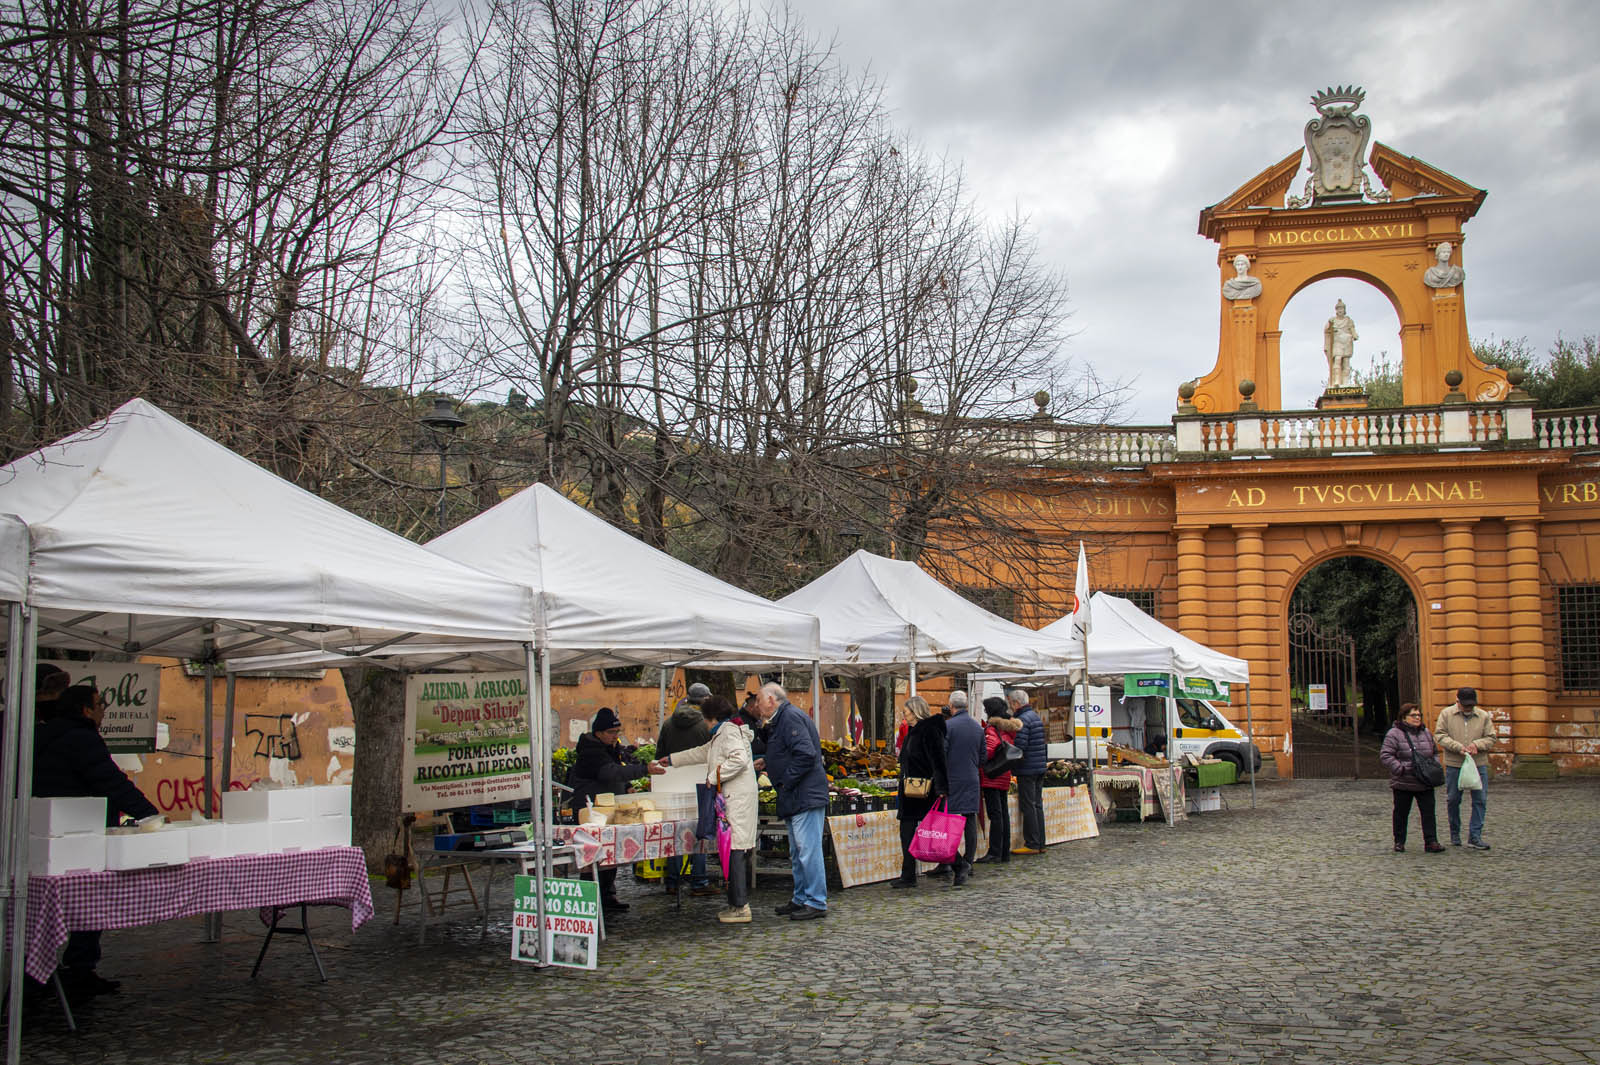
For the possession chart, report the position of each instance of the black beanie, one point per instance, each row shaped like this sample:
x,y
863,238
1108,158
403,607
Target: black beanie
x,y
606,718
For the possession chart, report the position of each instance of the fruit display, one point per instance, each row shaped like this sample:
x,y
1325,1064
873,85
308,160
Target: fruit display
x,y
1065,774
843,760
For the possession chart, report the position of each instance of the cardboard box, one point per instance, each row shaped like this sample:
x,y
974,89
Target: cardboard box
x,y
67,817
145,850
1204,800
332,830
207,839
248,837
269,804
292,834
331,800
81,852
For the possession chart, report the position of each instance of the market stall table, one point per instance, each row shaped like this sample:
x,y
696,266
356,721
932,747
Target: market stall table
x,y
57,905
1154,787
520,854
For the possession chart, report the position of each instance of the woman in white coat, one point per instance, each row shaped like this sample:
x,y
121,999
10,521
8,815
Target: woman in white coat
x,y
730,767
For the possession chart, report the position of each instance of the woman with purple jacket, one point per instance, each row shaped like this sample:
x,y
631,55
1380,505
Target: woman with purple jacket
x,y
1408,734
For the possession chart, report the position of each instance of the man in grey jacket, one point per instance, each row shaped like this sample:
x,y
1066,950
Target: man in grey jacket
x,y
1464,731
963,748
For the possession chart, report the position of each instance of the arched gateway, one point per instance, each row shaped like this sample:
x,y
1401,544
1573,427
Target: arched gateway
x,y
1485,508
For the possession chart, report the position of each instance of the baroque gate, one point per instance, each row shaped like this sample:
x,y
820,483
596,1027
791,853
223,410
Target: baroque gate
x,y
1322,682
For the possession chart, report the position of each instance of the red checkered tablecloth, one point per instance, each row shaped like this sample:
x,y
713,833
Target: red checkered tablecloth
x,y
625,844
332,876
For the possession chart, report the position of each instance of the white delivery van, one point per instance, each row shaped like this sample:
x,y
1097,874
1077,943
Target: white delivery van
x,y
1199,728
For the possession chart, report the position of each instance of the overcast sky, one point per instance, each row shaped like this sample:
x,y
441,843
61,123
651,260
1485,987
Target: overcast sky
x,y
1109,125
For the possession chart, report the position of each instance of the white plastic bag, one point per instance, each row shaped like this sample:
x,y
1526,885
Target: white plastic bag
x,y
1469,778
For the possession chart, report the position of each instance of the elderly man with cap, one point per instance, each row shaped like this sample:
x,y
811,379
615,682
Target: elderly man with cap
x,y
598,766
1464,731
685,730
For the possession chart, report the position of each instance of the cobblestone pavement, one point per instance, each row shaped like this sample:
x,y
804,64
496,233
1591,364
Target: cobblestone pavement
x,y
1287,933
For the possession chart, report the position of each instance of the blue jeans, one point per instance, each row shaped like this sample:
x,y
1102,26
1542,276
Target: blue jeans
x,y
672,869
1452,804
805,858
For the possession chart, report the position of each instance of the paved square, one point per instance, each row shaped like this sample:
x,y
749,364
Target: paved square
x,y
1290,933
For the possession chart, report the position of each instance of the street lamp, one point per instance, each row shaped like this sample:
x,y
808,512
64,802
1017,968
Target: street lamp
x,y
851,534
442,421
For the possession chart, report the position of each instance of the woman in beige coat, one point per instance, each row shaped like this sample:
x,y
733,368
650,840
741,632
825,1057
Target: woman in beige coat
x,y
729,765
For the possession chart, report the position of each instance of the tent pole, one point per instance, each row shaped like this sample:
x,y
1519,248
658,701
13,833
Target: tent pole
x,y
1172,745
229,700
23,711
538,767
1250,756
816,693
661,701
14,796
913,685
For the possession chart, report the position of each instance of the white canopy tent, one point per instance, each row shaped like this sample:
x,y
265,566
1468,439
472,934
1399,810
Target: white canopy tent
x,y
879,612
605,597
1127,640
140,535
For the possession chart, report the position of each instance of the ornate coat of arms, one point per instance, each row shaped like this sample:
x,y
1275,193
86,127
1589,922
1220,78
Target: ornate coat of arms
x,y
1336,147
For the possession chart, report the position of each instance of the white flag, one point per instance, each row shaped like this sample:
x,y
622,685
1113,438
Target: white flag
x,y
1082,623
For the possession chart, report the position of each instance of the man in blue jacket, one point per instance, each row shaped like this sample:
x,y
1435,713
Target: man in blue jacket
x,y
1030,774
793,763
963,746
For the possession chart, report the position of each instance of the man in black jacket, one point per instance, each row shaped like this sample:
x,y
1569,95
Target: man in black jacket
x,y
70,759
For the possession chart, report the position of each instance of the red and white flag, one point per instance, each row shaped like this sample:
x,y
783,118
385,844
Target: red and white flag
x,y
1082,623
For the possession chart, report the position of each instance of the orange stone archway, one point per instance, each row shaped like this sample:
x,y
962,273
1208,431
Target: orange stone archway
x,y
1388,244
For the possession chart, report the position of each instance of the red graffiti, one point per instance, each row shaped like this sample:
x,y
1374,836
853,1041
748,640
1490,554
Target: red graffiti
x,y
185,795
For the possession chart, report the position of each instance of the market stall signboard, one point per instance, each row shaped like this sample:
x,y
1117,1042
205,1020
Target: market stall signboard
x,y
571,921
468,739
131,690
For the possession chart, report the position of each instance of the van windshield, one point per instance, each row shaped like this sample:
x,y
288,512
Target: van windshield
x,y
1195,714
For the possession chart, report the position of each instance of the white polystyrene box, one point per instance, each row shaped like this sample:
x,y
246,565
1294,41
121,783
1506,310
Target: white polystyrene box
x,y
331,800
269,804
332,830
207,839
81,852
66,817
293,834
142,850
247,837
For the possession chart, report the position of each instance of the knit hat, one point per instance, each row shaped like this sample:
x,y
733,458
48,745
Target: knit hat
x,y
605,718
698,693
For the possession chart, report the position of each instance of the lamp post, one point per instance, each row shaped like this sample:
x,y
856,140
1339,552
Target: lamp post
x,y
442,422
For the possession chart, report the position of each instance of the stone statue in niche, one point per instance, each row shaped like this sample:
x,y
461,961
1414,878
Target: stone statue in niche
x,y
1339,338
1441,274
1241,286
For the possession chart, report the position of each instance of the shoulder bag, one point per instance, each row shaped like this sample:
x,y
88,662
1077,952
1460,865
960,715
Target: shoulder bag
x,y
1425,767
916,787
1005,758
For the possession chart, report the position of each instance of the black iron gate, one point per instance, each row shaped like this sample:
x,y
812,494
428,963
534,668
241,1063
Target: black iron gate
x,y
1322,689
1406,661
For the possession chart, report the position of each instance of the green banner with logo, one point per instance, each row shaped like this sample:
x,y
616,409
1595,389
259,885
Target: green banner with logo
x,y
1138,684
1212,691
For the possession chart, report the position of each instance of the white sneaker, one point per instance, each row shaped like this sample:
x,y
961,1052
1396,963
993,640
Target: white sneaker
x,y
730,915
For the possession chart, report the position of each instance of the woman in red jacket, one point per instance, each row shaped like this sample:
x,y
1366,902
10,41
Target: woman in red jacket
x,y
1000,727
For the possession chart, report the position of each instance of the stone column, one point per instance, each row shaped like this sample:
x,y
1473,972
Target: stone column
x,y
1460,597
1192,603
1250,606
1530,726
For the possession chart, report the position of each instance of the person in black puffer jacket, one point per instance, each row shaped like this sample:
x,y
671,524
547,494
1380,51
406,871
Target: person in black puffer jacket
x,y
70,759
598,766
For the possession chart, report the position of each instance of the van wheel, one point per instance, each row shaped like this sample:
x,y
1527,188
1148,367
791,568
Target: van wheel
x,y
1238,763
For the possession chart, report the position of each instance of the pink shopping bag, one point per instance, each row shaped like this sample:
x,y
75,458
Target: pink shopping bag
x,y
938,837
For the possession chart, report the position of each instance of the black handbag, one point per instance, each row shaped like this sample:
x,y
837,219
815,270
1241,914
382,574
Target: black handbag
x,y
1005,758
1425,767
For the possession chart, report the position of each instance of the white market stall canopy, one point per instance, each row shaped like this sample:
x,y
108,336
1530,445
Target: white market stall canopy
x,y
878,612
1124,639
143,534
605,597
